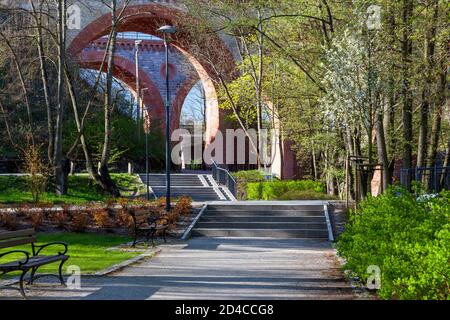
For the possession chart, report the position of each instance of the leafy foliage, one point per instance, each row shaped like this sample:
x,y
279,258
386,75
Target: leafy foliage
x,y
276,189
14,189
305,195
183,206
126,144
408,239
38,171
243,178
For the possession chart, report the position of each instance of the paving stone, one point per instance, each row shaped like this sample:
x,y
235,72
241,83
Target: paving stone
x,y
219,268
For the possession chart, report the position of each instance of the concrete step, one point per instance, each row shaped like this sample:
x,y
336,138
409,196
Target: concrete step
x,y
182,185
180,193
186,193
251,207
175,183
261,225
252,218
176,179
197,194
264,212
275,220
261,233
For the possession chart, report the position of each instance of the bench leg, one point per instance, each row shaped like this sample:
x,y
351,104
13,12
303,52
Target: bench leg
x,y
60,269
135,239
33,272
153,238
21,289
164,236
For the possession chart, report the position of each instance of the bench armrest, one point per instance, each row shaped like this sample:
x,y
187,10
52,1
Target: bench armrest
x,y
155,221
164,220
52,244
27,255
161,221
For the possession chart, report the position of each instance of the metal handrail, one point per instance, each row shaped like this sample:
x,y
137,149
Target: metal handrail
x,y
228,180
224,170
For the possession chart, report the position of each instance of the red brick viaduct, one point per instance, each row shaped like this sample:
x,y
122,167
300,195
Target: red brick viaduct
x,y
194,57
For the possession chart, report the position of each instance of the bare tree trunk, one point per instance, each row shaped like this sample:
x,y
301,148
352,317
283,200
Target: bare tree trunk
x,y
441,101
392,99
314,162
426,93
350,152
108,105
259,83
257,76
37,16
382,152
407,93
22,83
59,161
361,177
87,154
446,164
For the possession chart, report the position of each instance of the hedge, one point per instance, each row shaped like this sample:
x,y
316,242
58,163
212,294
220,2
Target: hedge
x,y
408,238
243,178
274,190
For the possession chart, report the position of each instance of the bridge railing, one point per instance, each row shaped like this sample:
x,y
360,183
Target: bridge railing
x,y
224,178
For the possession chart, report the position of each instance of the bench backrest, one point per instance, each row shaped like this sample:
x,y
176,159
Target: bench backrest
x,y
140,216
17,238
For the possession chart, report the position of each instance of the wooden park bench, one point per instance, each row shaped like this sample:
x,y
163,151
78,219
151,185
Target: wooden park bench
x,y
31,260
144,224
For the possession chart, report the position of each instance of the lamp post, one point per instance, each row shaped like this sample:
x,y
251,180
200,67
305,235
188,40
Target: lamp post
x,y
137,43
167,30
146,122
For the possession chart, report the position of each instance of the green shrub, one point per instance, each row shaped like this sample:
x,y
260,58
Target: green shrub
x,y
249,176
254,191
275,189
305,195
306,185
408,239
243,178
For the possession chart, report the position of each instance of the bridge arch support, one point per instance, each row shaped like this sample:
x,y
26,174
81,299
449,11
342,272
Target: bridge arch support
x,y
147,18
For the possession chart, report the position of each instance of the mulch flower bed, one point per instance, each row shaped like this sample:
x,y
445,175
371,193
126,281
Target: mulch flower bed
x,y
111,217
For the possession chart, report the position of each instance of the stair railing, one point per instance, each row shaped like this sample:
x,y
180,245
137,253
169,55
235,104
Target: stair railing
x,y
223,177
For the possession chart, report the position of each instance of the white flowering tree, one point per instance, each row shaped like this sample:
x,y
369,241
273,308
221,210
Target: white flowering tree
x,y
346,103
354,96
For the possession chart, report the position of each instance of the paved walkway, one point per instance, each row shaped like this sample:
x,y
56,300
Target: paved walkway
x,y
221,268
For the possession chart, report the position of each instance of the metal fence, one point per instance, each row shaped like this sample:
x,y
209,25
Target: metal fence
x,y
224,178
434,179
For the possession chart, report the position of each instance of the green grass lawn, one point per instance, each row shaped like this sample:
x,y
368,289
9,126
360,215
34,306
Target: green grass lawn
x,y
88,251
81,190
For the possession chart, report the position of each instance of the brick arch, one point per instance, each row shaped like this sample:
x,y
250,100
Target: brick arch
x,y
125,70
147,18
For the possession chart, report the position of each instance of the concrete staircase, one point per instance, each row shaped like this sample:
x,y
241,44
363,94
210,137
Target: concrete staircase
x,y
274,220
197,186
